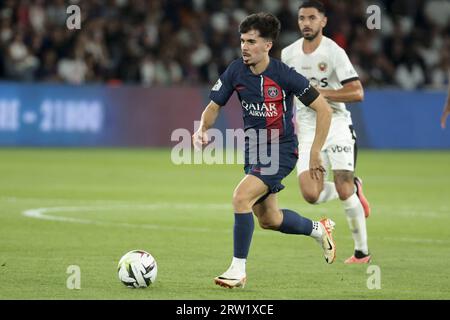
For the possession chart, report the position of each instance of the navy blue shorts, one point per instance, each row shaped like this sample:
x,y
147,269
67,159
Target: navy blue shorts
x,y
288,157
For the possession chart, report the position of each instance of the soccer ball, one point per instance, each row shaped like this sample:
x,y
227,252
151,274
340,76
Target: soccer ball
x,y
137,269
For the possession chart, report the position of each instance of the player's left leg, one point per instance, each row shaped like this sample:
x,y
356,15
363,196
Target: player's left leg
x,y
358,181
287,221
344,181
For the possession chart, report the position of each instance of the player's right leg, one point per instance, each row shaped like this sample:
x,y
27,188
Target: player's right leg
x,y
249,190
314,191
290,222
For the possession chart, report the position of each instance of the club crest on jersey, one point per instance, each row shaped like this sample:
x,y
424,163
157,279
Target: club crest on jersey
x,y
323,66
272,92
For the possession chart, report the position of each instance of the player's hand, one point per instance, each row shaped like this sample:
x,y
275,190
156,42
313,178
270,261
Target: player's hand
x,y
316,169
199,139
444,116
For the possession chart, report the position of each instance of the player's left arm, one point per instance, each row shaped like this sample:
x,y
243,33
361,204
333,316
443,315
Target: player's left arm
x,y
351,91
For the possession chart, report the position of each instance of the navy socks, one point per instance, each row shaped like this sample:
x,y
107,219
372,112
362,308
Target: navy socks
x,y
242,234
293,223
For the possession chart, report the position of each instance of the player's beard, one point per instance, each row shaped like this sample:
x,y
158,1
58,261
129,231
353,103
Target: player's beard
x,y
312,36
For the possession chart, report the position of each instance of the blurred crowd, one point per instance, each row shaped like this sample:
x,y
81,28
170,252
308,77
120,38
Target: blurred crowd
x,y
184,42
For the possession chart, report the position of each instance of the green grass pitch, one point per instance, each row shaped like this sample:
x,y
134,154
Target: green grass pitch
x,y
110,201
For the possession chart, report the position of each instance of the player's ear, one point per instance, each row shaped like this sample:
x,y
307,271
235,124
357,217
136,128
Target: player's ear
x,y
324,21
268,45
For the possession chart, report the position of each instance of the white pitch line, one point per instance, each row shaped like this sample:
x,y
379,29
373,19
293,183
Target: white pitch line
x,y
45,214
381,209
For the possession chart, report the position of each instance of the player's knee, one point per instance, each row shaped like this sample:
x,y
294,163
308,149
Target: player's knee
x,y
269,224
345,190
310,196
241,203
309,189
343,181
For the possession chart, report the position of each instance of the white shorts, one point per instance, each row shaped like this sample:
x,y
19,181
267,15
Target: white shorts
x,y
338,152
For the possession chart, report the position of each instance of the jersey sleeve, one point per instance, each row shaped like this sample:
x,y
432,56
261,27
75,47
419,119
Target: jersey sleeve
x,y
223,88
301,87
283,55
344,69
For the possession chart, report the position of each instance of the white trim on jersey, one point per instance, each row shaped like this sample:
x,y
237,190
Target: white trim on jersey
x,y
284,107
262,87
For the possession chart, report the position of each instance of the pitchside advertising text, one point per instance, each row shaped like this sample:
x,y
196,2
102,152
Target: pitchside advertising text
x,y
82,116
63,115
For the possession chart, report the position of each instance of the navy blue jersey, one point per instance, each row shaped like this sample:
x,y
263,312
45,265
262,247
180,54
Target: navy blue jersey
x,y
267,98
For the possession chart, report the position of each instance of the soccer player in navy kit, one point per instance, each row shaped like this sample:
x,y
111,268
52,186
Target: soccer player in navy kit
x,y
265,87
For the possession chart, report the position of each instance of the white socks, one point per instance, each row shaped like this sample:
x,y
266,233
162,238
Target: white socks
x,y
357,222
328,193
355,216
237,266
317,231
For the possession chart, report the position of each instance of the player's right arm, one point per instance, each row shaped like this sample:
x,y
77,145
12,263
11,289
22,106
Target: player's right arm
x,y
323,122
209,116
309,96
446,111
219,95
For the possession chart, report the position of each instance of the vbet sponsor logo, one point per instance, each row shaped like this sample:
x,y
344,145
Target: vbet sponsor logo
x,y
263,148
340,149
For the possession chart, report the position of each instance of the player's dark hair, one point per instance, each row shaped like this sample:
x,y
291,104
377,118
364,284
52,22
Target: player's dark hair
x,y
313,4
266,23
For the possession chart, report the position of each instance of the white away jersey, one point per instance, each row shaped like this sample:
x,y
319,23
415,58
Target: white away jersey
x,y
328,67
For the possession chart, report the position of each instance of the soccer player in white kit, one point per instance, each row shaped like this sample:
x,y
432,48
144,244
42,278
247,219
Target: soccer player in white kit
x,y
328,67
